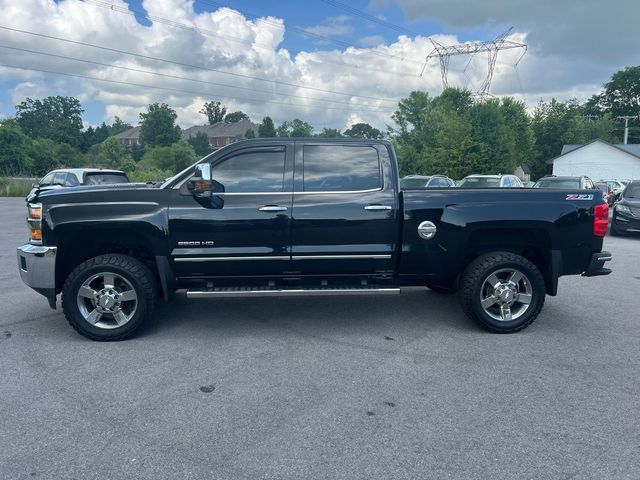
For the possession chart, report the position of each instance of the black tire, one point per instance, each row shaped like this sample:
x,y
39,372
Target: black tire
x,y
473,282
444,289
128,268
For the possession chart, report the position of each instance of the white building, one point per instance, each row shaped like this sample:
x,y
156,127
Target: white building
x,y
599,160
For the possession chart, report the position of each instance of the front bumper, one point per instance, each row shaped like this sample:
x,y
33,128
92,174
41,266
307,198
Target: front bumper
x,y
625,223
596,265
37,266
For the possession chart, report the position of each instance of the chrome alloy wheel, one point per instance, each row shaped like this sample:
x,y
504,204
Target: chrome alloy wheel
x,y
506,294
107,300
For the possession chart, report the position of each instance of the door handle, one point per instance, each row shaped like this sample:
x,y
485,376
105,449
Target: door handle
x,y
378,207
273,208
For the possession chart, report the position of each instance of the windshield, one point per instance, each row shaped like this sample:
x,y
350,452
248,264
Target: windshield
x,y
413,183
101,178
557,183
632,191
480,182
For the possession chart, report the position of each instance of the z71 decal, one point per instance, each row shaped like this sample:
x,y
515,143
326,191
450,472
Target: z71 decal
x,y
579,196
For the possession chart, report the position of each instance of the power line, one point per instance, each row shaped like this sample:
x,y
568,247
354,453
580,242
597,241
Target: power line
x,y
197,67
178,90
157,19
131,69
301,31
307,33
371,18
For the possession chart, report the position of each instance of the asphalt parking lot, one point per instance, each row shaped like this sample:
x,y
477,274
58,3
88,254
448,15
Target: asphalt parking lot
x,y
308,388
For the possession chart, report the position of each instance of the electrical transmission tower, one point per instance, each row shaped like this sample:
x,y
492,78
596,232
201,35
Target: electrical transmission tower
x,y
492,47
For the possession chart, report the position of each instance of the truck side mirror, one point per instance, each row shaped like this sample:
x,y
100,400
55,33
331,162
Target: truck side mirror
x,y
202,185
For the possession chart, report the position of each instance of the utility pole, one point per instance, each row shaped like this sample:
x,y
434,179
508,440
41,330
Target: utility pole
x,y
626,119
443,54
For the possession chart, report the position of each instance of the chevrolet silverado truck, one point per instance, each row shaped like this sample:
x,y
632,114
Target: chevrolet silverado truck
x,y
268,217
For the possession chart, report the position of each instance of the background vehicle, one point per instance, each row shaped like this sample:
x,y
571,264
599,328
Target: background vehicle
x,y
419,182
626,213
490,181
528,184
280,216
73,177
565,183
606,191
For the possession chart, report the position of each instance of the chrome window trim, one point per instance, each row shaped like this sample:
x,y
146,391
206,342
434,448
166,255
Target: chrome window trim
x,y
221,259
300,192
341,257
286,257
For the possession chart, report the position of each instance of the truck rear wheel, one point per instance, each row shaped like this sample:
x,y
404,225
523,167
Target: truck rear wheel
x,y
108,297
503,292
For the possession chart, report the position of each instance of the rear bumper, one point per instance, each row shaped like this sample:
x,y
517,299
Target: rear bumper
x,y
596,265
37,266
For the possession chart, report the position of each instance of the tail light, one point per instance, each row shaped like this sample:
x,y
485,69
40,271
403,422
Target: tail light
x,y
600,219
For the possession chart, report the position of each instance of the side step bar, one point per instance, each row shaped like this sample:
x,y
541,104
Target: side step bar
x,y
273,292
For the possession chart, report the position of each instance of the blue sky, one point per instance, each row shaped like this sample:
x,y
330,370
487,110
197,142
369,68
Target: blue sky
x,y
563,59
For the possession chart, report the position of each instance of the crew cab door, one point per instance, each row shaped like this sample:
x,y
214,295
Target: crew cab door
x,y
345,209
245,230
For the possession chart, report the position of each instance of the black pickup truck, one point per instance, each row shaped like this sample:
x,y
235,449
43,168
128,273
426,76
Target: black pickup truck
x,y
304,216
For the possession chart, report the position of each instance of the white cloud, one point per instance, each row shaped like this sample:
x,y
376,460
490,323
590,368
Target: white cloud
x,y
371,40
224,40
334,26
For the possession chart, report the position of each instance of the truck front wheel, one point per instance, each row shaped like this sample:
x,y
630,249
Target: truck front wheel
x,y
502,291
108,297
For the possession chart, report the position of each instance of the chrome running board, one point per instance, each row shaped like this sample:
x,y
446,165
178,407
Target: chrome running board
x,y
274,292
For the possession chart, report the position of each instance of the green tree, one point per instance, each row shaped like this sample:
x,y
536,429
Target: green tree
x,y
295,128
214,111
173,158
249,133
200,144
158,126
119,126
70,157
57,118
14,149
112,153
235,117
557,123
621,94
330,133
362,130
43,156
267,128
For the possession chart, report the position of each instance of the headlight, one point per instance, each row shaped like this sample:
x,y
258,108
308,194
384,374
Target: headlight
x,y
35,223
623,209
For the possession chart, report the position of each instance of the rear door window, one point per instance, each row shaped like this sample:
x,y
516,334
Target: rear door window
x,y
103,178
340,168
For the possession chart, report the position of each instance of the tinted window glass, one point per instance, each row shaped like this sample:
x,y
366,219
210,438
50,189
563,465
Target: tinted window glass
x,y
632,191
100,178
58,178
413,183
251,172
340,168
439,182
47,179
480,182
560,184
72,180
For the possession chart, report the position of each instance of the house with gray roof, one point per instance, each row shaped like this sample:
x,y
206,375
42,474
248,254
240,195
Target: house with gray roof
x,y
129,137
222,133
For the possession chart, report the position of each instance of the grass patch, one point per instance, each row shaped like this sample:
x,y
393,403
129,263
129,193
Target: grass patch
x,y
15,187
